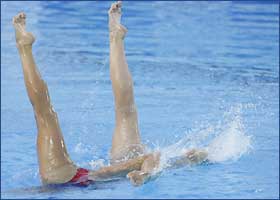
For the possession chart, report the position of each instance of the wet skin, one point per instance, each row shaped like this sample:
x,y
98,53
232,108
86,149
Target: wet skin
x,y
128,153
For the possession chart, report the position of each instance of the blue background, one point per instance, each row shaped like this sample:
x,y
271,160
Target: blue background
x,y
193,65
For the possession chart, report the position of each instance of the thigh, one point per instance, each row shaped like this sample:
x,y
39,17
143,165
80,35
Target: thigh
x,y
54,161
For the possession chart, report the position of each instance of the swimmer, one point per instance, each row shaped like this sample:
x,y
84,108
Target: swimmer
x,y
128,157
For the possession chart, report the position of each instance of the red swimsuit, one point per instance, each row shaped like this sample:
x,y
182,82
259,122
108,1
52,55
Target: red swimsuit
x,y
81,177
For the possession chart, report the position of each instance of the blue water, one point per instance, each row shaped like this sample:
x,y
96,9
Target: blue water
x,y
205,74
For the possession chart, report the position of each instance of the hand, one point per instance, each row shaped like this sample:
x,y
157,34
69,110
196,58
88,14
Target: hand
x,y
196,156
138,178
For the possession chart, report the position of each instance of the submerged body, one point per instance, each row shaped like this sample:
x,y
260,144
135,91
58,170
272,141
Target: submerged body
x,y
128,156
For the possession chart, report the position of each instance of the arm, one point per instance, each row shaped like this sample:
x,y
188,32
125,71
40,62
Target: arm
x,y
117,170
141,169
150,168
192,157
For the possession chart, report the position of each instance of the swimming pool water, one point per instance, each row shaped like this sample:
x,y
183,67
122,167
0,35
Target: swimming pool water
x,y
200,69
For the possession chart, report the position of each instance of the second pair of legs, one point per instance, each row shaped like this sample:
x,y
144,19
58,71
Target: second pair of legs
x,y
128,155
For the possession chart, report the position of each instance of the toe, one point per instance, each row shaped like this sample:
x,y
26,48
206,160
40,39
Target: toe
x,y
115,7
119,4
19,18
22,18
22,15
112,8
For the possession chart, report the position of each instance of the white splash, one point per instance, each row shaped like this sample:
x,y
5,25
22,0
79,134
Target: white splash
x,y
78,148
225,141
95,164
82,148
231,144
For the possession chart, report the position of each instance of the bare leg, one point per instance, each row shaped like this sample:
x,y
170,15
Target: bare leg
x,y
126,142
54,162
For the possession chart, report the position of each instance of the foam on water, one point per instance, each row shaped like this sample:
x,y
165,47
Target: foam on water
x,y
231,144
224,141
95,164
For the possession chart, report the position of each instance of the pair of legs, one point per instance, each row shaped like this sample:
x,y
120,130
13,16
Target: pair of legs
x,y
127,153
55,163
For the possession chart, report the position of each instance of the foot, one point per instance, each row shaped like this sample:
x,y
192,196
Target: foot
x,y
22,37
116,29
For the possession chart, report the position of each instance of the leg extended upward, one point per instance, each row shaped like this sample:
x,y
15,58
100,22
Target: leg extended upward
x,y
126,139
55,164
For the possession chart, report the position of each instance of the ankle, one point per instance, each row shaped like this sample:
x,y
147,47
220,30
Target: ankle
x,y
23,48
25,39
116,37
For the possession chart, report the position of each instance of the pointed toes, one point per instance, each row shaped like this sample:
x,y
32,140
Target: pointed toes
x,y
19,18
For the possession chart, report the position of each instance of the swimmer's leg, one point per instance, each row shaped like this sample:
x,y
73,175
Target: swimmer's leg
x,y
54,162
126,139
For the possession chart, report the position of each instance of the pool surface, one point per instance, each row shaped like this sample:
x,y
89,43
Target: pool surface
x,y
205,74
